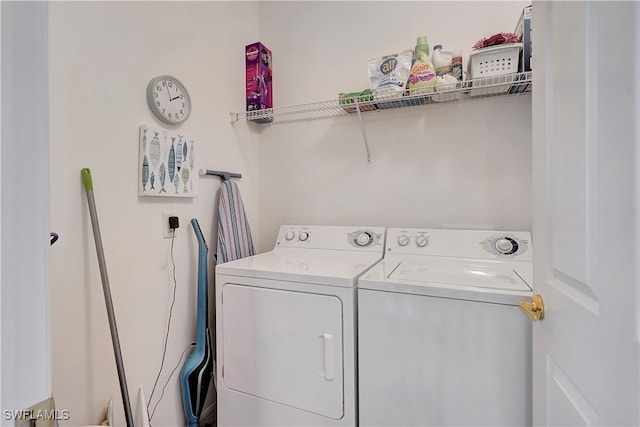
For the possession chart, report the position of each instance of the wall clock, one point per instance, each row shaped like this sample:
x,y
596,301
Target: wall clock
x,y
168,99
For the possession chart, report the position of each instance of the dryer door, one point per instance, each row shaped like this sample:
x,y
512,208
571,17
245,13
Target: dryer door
x,y
284,346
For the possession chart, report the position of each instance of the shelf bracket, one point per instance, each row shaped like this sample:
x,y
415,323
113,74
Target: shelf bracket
x,y
362,128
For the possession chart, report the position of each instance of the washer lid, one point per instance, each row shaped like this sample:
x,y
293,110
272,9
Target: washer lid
x,y
466,279
480,275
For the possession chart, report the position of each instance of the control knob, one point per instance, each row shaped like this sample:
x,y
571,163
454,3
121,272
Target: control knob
x,y
504,245
364,239
403,240
303,235
290,235
422,241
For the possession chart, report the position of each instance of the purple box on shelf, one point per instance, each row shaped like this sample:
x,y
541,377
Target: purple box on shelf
x,y
258,72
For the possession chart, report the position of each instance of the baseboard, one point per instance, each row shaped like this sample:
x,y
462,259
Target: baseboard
x,y
208,416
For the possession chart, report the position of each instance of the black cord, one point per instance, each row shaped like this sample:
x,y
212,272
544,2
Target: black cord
x,y
168,379
166,338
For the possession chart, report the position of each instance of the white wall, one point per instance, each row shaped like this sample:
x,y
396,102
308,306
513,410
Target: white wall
x,y
102,56
463,165
26,355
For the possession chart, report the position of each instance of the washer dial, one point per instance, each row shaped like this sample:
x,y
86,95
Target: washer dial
x,y
303,236
504,245
290,235
403,240
422,241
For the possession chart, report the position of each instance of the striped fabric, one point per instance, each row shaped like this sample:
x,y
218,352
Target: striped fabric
x,y
234,235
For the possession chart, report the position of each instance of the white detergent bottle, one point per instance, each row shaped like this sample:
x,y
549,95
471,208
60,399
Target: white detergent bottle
x,y
441,61
422,78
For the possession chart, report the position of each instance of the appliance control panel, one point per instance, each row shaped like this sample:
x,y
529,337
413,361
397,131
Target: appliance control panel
x,y
481,244
331,237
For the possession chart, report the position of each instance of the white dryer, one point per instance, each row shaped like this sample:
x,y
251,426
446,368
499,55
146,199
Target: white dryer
x,y
441,339
285,328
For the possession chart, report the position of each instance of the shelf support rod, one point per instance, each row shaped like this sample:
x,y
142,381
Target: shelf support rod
x,y
362,128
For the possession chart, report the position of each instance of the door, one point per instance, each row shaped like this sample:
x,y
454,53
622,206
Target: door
x,y
585,230
285,347
26,350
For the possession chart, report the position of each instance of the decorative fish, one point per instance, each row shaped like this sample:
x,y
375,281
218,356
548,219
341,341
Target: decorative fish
x,y
172,163
152,180
162,176
145,173
154,151
144,140
179,154
185,177
184,151
191,156
176,182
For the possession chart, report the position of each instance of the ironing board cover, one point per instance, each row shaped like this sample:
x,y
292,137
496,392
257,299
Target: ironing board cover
x,y
234,234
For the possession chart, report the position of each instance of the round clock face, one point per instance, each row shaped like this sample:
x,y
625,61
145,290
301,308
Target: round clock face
x,y
168,99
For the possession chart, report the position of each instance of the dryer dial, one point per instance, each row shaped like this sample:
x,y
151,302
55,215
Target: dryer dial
x,y
290,235
364,239
303,236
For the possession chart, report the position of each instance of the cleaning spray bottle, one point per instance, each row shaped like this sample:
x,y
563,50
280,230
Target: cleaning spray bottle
x,y
422,78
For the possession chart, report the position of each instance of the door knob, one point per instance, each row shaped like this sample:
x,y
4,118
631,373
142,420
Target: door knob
x,y
533,309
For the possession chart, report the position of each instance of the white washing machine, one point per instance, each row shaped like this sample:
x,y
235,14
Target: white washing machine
x,y
441,339
285,328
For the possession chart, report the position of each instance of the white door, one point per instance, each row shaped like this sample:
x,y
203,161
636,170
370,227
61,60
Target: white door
x,y
586,223
285,347
26,351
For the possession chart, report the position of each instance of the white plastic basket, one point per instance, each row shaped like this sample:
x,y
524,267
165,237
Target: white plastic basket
x,y
494,60
492,67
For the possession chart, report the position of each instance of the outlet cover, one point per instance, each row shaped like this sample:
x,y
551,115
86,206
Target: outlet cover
x,y
167,233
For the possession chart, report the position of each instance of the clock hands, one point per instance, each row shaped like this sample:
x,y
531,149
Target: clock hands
x,y
168,94
170,98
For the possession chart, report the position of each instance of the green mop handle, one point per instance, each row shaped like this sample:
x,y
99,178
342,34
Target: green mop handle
x,y
88,186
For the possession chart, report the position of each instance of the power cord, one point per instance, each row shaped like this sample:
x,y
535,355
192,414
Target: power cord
x,y
166,338
168,379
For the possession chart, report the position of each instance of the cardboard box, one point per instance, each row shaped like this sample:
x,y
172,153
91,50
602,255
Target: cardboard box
x,y
258,77
523,29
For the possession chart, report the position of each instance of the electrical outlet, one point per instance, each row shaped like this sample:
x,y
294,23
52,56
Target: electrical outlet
x,y
167,233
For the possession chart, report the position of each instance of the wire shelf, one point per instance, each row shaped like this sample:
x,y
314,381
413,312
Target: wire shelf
x,y
505,85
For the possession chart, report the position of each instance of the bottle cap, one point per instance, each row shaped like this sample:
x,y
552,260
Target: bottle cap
x,y
422,40
438,46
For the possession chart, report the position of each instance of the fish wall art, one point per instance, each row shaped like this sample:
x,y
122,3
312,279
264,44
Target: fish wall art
x,y
167,164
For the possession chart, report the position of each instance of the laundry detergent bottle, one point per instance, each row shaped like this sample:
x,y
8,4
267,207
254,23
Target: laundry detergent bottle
x,y
441,61
422,78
